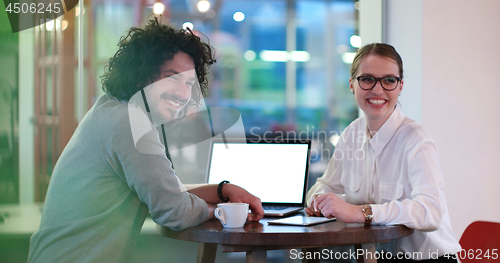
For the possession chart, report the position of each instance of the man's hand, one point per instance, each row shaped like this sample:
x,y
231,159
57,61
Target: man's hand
x,y
236,194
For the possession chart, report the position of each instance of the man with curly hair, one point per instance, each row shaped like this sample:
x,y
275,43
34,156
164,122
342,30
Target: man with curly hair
x,y
115,169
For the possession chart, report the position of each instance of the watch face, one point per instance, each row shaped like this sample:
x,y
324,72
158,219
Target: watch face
x,y
367,210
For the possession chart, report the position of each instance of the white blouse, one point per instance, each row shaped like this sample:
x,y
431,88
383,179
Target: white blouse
x,y
398,172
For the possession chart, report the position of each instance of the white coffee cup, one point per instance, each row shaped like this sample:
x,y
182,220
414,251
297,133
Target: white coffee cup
x,y
232,215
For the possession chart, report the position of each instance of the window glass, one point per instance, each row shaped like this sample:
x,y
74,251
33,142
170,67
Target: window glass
x,y
254,73
283,64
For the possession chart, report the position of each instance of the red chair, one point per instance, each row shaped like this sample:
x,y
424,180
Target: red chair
x,y
480,243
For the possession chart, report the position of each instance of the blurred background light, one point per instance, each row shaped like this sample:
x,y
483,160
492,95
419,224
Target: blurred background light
x,y
273,55
77,10
348,57
188,25
158,8
64,24
249,55
49,25
357,5
355,41
203,6
300,56
238,16
341,49
283,56
210,13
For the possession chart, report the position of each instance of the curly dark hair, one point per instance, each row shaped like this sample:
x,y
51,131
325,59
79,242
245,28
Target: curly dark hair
x,y
142,52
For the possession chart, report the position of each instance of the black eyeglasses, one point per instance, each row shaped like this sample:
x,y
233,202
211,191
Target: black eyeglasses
x,y
368,82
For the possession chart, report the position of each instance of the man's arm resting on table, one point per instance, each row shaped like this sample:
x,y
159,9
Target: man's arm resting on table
x,y
235,194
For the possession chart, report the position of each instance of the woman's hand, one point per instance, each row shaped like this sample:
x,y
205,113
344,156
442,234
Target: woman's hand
x,y
331,205
310,210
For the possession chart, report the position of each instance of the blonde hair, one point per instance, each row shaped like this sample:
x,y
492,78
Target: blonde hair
x,y
379,49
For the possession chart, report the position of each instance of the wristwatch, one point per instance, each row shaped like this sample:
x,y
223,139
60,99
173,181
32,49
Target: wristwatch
x,y
367,212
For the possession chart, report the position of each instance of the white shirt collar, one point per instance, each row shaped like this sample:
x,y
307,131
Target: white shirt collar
x,y
387,131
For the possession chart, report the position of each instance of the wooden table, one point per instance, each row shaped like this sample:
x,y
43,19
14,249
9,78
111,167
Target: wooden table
x,y
255,238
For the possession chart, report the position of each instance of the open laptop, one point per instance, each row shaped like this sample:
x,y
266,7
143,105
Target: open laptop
x,y
276,171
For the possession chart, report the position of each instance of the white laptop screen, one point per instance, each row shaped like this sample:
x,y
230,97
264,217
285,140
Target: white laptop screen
x,y
274,172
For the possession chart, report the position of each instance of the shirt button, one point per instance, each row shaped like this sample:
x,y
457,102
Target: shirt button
x,y
371,170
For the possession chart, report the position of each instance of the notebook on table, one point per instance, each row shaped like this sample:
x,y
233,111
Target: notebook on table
x,y
301,221
276,171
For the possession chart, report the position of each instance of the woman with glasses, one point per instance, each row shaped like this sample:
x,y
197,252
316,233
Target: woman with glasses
x,y
387,166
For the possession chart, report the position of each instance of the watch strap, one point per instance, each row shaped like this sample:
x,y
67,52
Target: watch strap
x,y
219,191
367,212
